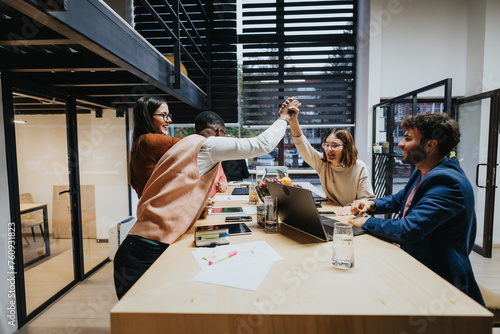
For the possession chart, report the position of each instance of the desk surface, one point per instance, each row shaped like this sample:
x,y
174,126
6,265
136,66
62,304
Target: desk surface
x,y
386,292
31,206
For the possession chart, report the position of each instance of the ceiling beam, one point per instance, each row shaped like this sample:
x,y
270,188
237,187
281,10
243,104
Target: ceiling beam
x,y
113,39
50,62
36,42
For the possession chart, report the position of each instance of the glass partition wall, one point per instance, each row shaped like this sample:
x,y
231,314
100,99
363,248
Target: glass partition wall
x,y
477,151
102,153
70,178
42,162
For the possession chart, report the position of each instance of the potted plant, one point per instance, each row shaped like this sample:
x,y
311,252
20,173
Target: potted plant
x,y
385,147
377,148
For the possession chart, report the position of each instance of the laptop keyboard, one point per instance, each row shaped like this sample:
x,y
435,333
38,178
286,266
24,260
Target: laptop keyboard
x,y
328,230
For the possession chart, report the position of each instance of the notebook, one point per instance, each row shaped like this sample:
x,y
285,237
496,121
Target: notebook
x,y
296,208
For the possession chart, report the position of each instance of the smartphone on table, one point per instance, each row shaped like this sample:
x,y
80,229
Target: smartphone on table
x,y
238,219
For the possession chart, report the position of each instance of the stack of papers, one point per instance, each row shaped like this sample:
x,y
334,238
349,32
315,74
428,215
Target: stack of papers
x,y
225,198
241,266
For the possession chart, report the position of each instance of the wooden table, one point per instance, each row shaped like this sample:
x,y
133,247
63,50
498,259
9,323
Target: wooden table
x,y
386,292
30,207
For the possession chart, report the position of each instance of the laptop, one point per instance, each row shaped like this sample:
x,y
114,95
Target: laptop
x,y
297,209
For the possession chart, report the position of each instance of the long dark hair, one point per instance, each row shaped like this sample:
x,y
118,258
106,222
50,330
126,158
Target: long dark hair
x,y
350,151
144,109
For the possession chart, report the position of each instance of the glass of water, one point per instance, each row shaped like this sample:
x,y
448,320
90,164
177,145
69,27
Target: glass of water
x,y
271,219
343,246
253,197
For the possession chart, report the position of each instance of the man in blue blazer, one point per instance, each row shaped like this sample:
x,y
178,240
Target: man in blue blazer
x,y
437,220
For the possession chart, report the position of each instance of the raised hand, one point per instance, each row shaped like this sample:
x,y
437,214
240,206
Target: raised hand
x,y
289,108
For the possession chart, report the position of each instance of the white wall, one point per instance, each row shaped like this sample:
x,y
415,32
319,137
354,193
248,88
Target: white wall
x,y
491,76
9,316
363,100
475,47
422,42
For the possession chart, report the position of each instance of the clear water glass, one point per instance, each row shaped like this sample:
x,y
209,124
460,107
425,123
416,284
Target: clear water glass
x,y
253,197
343,246
271,219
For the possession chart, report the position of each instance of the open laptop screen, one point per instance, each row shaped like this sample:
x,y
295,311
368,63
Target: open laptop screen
x,y
296,208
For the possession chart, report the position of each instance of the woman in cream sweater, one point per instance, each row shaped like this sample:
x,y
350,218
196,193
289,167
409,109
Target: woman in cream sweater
x,y
344,178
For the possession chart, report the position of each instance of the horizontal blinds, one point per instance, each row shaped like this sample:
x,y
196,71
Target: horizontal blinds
x,y
206,32
298,48
224,60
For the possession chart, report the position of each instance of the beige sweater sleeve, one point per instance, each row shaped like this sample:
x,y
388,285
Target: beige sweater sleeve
x,y
341,185
307,152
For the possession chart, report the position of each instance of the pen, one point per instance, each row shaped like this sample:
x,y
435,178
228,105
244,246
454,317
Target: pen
x,y
218,259
326,212
213,236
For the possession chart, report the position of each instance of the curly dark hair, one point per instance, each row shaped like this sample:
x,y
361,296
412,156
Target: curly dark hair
x,y
438,126
207,119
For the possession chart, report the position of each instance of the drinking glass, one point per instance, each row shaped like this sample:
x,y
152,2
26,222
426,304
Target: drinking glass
x,y
343,246
253,197
261,214
271,220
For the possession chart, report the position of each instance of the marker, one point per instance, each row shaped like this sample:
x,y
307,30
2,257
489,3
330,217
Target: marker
x,y
218,259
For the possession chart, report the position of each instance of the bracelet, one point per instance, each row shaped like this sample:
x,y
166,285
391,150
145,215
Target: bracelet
x,y
285,119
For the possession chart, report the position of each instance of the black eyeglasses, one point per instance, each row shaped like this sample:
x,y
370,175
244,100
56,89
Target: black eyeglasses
x,y
221,130
166,117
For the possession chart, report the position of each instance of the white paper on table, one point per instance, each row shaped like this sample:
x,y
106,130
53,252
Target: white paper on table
x,y
224,198
245,270
239,183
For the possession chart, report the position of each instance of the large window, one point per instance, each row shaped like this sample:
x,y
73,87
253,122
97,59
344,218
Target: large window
x,y
303,49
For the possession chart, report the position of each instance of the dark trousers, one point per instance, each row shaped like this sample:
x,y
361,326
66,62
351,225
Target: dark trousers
x,y
134,256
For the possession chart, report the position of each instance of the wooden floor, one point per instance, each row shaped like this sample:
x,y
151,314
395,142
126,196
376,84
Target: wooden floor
x,y
46,277
85,309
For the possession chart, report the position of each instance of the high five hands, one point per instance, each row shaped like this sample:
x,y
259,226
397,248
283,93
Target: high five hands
x,y
290,108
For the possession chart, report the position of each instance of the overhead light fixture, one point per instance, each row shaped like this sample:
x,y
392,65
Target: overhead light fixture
x,y
20,121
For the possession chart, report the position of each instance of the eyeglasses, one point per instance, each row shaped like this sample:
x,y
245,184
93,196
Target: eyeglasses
x,y
331,146
166,117
221,130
